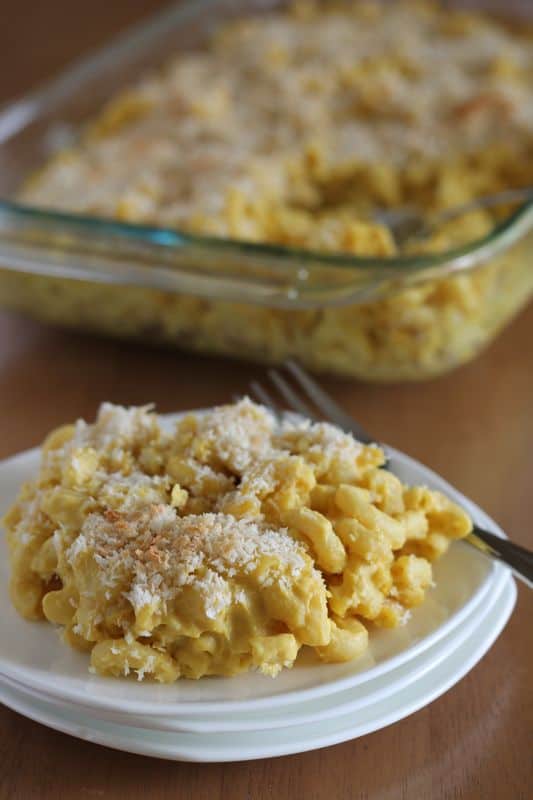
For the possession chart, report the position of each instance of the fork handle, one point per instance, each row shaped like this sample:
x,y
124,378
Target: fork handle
x,y
518,558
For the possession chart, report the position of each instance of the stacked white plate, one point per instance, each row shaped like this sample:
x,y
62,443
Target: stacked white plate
x,y
247,717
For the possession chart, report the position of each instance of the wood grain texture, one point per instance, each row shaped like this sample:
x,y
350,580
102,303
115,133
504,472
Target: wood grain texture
x,y
473,426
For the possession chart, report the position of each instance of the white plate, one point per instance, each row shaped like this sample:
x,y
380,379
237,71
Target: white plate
x,y
32,654
324,708
266,744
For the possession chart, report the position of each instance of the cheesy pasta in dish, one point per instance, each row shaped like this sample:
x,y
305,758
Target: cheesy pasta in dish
x,y
225,545
293,128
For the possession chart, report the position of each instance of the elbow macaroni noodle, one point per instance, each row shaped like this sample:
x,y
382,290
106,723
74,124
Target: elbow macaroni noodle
x,y
226,545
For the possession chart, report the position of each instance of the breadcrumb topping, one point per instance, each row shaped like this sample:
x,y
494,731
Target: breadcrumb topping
x,y
159,552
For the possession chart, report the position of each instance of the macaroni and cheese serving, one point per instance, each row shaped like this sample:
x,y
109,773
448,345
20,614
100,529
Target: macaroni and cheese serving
x,y
227,544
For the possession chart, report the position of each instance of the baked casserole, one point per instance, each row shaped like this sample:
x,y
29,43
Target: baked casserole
x,y
292,128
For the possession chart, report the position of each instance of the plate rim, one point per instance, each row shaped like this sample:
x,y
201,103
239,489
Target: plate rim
x,y
175,752
441,650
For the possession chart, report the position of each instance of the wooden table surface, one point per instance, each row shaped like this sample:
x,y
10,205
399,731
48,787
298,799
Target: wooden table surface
x,y
473,426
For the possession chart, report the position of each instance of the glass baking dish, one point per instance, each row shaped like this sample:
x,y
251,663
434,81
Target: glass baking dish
x,y
393,318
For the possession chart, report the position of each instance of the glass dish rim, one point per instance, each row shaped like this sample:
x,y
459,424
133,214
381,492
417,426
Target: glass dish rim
x,y
500,236
467,255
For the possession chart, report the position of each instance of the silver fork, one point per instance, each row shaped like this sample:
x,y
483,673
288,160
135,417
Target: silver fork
x,y
302,394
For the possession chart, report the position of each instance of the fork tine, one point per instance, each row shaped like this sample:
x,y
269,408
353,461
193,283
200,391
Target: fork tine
x,y
327,405
289,395
261,394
